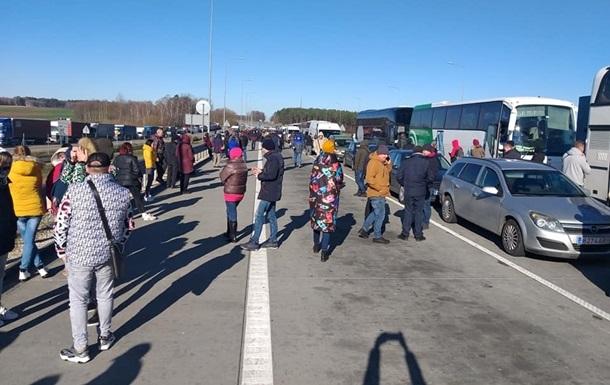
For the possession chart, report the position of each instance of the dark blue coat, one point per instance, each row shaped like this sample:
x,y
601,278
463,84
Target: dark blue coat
x,y
416,175
272,177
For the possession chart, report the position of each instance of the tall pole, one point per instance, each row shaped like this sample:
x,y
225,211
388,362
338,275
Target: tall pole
x,y
224,109
210,63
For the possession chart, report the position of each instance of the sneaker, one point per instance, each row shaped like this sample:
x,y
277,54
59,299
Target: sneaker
x,y
70,354
381,240
24,275
148,217
148,198
269,244
92,318
6,314
107,341
419,239
43,273
363,234
404,237
250,246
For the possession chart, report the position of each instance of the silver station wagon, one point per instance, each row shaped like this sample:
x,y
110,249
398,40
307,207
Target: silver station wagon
x,y
532,207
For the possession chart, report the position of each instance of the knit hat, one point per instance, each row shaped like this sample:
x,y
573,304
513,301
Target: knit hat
x,y
328,146
476,142
235,153
268,144
383,150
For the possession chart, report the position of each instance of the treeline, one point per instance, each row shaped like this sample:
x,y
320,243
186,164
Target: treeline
x,y
297,115
29,101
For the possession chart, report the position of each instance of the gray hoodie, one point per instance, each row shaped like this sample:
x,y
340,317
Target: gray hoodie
x,y
575,166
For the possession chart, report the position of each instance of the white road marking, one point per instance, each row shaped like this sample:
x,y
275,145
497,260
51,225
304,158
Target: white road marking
x,y
595,310
257,358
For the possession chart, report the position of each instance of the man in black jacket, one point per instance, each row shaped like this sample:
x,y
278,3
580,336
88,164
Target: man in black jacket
x,y
271,177
416,176
510,152
8,227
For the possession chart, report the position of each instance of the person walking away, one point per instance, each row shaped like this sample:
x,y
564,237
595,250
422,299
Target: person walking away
x,y
539,155
127,174
218,147
171,162
149,164
510,152
378,172
81,242
430,153
317,143
416,177
271,178
28,201
325,183
477,151
234,177
298,142
158,146
575,164
186,161
74,171
243,140
360,162
456,151
8,228
308,143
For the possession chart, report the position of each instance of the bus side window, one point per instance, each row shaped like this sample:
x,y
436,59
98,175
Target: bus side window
x,y
504,119
489,120
603,95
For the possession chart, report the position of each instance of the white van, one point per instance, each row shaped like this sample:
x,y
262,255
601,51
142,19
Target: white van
x,y
324,127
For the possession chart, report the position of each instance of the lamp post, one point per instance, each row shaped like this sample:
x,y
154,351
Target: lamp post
x,y
461,67
210,63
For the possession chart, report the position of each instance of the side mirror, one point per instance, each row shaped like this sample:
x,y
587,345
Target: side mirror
x,y
491,190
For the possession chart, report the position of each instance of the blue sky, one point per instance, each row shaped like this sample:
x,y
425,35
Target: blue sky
x,y
330,54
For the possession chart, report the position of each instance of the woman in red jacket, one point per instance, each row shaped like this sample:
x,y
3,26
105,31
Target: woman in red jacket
x,y
186,160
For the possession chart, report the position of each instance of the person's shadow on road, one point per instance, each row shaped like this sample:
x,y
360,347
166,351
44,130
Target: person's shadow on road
x,y
372,375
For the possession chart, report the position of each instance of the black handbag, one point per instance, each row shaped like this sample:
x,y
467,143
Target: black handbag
x,y
116,254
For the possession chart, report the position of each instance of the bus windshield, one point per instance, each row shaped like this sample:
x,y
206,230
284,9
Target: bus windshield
x,y
550,128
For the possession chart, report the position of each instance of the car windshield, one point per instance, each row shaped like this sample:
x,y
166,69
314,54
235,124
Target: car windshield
x,y
551,128
329,133
341,142
540,183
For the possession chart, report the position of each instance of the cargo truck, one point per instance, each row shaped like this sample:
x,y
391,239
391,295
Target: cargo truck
x,y
14,131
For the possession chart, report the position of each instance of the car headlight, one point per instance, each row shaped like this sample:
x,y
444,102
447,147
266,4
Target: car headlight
x,y
545,222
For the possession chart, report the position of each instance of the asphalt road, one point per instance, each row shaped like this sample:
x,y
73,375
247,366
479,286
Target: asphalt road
x,y
435,312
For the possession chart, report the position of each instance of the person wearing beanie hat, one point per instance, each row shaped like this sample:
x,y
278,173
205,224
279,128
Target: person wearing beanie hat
x,y
271,178
234,177
477,151
378,171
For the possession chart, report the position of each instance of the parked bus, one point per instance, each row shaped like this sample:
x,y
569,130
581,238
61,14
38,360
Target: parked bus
x,y
598,137
530,122
385,124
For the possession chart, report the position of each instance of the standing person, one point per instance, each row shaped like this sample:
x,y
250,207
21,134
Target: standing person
x,y
253,137
171,161
208,143
456,151
186,160
325,183
218,146
403,140
510,152
127,174
317,143
416,177
277,141
539,155
360,162
234,177
271,177
81,242
149,164
308,144
158,146
297,142
28,201
74,171
54,178
430,154
8,228
378,172
243,140
575,164
477,151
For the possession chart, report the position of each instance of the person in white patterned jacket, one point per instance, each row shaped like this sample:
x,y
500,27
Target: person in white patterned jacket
x,y
81,242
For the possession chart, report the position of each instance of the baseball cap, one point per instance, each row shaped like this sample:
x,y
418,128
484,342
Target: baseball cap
x,y
98,159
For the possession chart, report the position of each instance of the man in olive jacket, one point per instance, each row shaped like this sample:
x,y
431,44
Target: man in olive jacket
x,y
378,172
360,161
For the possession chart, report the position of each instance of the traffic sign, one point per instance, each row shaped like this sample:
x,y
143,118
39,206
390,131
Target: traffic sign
x,y
86,130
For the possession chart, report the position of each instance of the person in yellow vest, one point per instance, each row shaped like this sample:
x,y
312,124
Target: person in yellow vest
x,y
149,163
26,191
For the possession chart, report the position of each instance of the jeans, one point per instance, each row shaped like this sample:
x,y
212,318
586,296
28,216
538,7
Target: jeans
x,y
27,227
376,217
265,209
413,215
232,210
245,154
324,243
428,207
297,157
150,172
360,181
79,283
3,258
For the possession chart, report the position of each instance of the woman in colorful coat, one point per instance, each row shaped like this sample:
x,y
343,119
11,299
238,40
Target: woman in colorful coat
x,y
325,183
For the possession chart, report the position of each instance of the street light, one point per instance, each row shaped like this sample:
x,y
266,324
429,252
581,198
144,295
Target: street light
x,y
461,67
224,110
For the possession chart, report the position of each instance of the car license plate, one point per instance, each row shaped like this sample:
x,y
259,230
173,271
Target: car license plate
x,y
581,240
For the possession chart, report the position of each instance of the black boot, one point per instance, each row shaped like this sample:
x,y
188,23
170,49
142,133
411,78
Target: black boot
x,y
324,254
228,233
233,231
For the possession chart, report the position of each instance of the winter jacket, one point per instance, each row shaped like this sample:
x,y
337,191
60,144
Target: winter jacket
x,y
325,183
79,233
73,172
477,152
575,166
158,146
233,142
272,177
184,152
512,154
416,175
234,176
362,154
127,170
218,145
378,177
170,154
149,156
26,187
8,220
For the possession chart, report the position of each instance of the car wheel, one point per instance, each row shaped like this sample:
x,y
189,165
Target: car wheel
x,y
448,210
512,239
401,194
